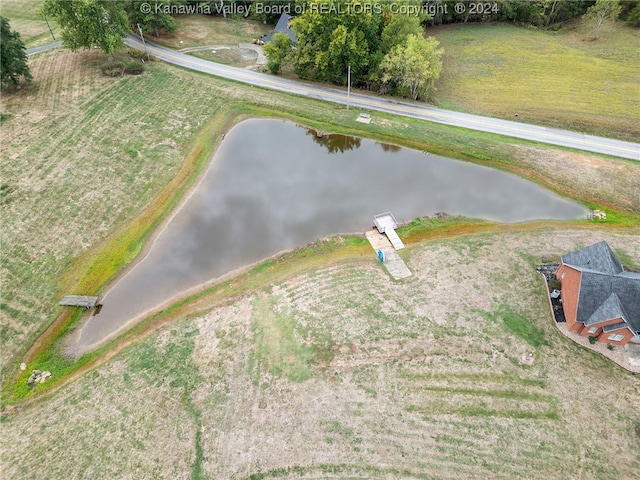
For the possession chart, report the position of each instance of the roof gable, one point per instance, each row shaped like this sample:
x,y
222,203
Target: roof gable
x,y
598,258
606,290
281,27
608,310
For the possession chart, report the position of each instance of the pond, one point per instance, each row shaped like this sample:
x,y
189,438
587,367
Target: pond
x,y
274,186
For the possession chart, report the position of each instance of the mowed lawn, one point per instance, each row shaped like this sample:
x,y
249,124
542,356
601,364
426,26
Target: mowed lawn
x,y
552,78
24,17
340,372
206,30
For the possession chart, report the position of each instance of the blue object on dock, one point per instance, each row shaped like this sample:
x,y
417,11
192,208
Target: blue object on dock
x,y
381,255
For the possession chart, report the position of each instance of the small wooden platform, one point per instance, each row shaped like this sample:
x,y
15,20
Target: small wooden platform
x,y
386,223
79,301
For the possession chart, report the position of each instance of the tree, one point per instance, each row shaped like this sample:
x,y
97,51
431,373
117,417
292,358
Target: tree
x,y
633,18
88,23
278,52
13,59
335,34
149,17
604,12
397,30
414,65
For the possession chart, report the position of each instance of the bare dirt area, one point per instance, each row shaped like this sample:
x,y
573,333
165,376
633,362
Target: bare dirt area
x,y
342,372
590,176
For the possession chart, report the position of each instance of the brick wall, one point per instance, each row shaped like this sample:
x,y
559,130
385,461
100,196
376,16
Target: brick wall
x,y
628,335
570,291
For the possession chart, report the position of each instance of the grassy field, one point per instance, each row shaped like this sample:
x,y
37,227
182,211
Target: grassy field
x,y
87,153
203,30
24,17
552,78
340,372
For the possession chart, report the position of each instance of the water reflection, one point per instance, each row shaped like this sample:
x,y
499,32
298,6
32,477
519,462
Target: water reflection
x,y
269,188
334,143
389,147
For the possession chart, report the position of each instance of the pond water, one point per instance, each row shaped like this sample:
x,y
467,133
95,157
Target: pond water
x,y
274,186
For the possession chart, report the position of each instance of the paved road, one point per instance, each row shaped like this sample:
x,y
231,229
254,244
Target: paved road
x,y
43,48
525,131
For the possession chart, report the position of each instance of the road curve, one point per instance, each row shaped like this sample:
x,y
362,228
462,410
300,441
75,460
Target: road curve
x,y
552,136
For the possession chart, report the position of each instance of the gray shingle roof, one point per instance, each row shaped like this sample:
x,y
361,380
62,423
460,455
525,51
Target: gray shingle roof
x,y
617,326
606,291
598,257
610,308
281,27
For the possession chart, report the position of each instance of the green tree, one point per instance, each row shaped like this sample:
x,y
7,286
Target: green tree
x,y
13,59
278,52
150,18
633,18
397,30
603,13
413,65
88,23
335,34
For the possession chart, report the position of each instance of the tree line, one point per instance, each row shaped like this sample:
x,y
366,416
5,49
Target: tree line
x,y
385,51
538,13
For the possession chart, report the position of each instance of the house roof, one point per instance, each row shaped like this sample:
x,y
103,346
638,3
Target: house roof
x,y
617,326
598,257
281,27
606,290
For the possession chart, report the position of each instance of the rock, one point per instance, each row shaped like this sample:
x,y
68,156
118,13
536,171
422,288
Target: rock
x,y
23,366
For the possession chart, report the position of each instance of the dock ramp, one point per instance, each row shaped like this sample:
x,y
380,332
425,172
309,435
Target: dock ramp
x,y
394,238
386,223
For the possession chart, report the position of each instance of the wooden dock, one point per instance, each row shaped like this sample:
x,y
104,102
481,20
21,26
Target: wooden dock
x,y
386,223
79,301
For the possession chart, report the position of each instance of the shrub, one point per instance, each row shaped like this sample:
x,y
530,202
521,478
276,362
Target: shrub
x,y
593,340
113,69
555,284
133,53
134,67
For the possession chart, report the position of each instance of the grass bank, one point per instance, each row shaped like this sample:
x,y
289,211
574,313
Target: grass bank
x,y
501,70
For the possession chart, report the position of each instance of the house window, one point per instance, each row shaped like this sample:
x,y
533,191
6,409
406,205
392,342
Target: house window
x,y
616,337
593,329
563,274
